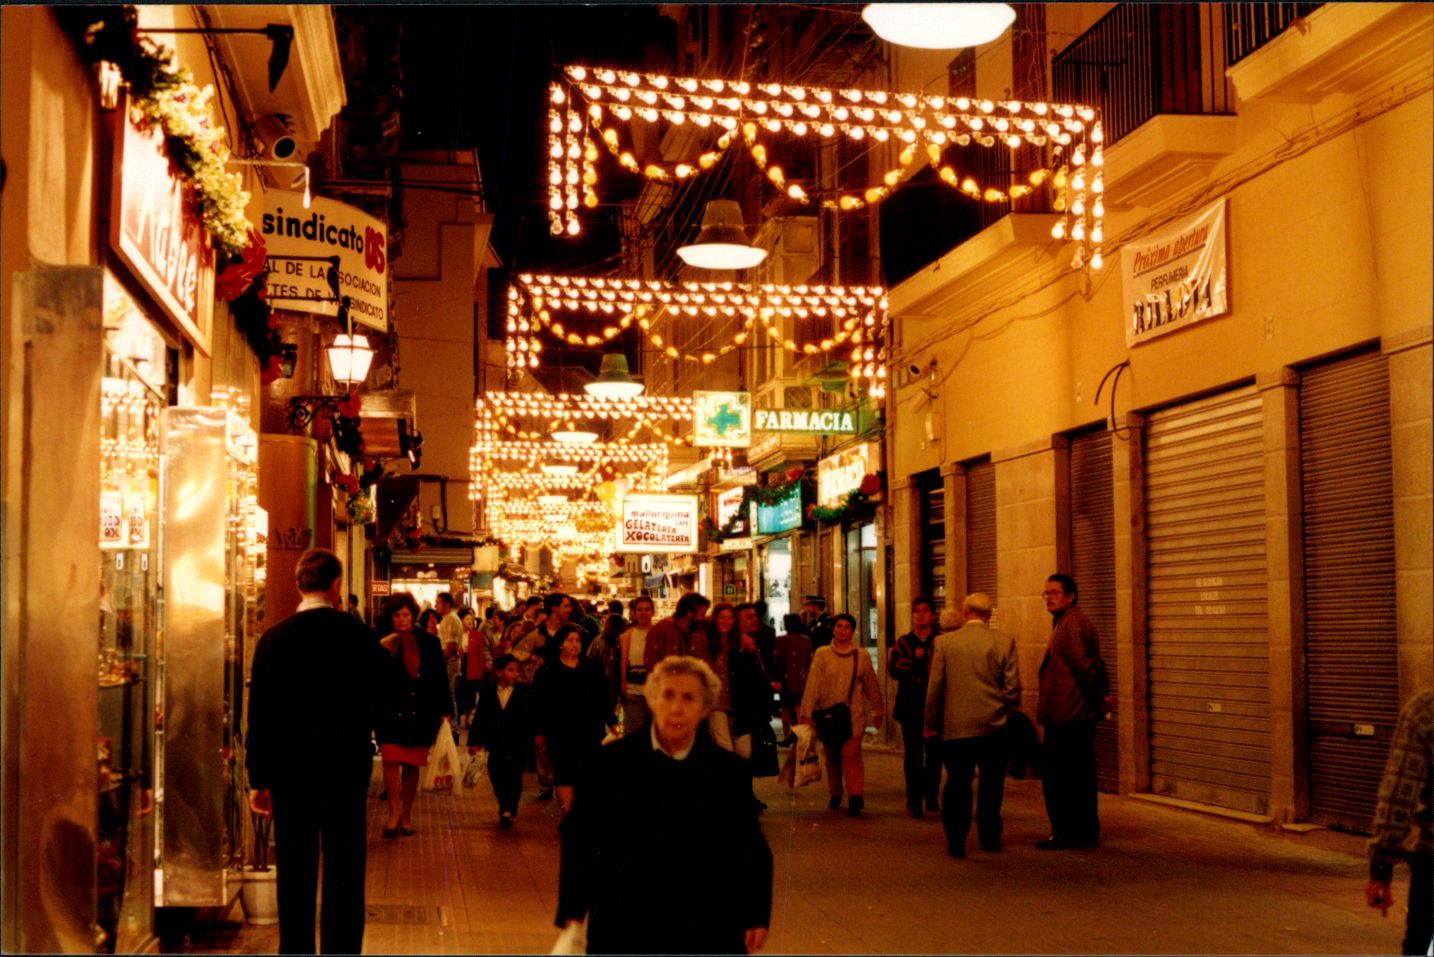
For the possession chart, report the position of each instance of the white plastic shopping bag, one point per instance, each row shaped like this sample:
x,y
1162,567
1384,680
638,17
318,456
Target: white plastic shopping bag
x,y
477,764
442,769
809,755
572,939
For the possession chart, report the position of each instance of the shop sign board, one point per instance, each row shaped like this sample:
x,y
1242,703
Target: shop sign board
x,y
742,475
743,544
658,523
1176,277
722,419
312,236
729,504
839,474
156,231
782,517
378,588
819,421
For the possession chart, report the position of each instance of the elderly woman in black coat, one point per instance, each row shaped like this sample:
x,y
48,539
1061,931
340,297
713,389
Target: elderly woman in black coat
x,y
413,701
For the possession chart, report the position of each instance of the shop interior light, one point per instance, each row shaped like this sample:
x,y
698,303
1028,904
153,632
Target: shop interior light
x,y
614,381
723,242
349,359
938,26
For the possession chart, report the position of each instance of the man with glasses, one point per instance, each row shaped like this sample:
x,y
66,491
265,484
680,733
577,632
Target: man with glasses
x,y
1074,685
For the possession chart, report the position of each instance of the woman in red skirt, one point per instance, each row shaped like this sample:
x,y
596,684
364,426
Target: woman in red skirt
x,y
413,701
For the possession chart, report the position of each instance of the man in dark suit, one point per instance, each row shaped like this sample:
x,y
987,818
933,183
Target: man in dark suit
x,y
662,850
1074,685
309,754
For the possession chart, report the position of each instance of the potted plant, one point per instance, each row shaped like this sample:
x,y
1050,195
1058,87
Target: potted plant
x,y
260,892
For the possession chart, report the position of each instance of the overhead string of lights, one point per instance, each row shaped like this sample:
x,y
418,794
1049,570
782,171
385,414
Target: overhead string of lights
x,y
923,123
860,310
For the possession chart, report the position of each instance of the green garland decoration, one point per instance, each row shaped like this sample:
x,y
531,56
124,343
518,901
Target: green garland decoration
x,y
855,506
767,496
165,94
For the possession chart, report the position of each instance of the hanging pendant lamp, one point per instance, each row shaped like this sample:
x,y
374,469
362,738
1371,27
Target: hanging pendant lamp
x,y
614,381
722,243
938,26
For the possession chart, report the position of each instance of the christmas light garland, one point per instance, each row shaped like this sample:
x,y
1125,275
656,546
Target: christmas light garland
x,y
924,124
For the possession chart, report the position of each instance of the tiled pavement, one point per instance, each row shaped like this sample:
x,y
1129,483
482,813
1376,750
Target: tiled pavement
x,y
1163,881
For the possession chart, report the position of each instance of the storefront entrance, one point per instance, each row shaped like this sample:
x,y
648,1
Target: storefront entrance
x,y
777,580
860,583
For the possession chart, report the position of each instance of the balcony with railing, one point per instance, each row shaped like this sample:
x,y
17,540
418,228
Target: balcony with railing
x,y
1156,72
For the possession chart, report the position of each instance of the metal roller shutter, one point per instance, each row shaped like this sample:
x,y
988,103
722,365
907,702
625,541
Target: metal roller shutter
x,y
1207,602
933,540
981,532
1092,541
1351,656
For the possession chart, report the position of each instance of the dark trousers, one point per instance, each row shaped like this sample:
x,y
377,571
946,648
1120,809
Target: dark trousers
x,y
1420,928
505,773
308,821
921,760
1068,780
964,757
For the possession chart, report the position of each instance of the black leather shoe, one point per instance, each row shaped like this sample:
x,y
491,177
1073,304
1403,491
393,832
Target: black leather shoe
x,y
933,807
390,832
956,851
1051,844
857,803
914,810
835,803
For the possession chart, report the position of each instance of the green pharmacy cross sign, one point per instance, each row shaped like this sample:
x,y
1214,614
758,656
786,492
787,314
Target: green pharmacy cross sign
x,y
722,419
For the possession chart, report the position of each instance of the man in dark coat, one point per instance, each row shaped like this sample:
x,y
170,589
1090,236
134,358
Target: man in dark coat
x,y
309,754
1074,685
662,850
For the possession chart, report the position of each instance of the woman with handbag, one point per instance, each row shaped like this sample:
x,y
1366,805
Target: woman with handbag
x,y
414,701
572,711
841,698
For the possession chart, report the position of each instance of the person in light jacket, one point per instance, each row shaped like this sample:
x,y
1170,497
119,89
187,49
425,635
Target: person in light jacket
x,y
831,681
975,684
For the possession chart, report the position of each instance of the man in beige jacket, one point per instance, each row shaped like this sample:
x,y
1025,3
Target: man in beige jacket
x,y
975,680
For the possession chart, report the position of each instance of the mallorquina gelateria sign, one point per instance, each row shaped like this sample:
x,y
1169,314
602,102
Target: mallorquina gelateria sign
x,y
156,232
820,421
655,524
1176,277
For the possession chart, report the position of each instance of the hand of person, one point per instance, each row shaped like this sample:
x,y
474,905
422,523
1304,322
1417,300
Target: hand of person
x,y
756,939
261,802
389,641
474,750
1379,894
540,740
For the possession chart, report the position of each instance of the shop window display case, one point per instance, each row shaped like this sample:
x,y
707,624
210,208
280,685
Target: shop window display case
x,y
210,523
132,402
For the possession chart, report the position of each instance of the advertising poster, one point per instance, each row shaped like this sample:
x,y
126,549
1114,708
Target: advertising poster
x,y
1176,277
658,524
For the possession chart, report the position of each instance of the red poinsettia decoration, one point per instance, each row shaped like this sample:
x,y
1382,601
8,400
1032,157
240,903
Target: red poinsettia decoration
x,y
349,406
870,484
239,276
271,371
794,473
348,483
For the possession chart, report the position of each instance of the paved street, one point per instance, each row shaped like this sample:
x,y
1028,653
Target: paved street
x,y
1164,881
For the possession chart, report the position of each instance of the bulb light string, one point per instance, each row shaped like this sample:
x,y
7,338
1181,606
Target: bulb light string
x,y
922,122
860,310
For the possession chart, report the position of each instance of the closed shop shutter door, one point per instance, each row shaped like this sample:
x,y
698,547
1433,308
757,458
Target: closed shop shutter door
x,y
981,532
1092,541
1207,604
933,540
1351,658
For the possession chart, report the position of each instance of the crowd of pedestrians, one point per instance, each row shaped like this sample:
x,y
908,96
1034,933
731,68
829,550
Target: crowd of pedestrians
x,y
659,728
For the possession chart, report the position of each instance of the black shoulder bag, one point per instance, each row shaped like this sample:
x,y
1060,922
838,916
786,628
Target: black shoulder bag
x,y
834,724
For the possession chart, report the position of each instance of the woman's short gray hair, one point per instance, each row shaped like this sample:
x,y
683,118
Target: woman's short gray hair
x,y
674,665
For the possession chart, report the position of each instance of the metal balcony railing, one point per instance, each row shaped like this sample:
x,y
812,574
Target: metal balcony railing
x,y
1249,26
1142,60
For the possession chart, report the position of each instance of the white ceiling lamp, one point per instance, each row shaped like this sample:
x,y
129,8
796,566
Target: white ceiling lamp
x,y
722,243
575,436
614,381
349,359
938,26
559,469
